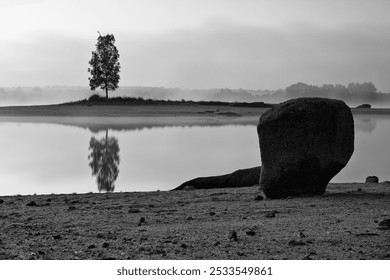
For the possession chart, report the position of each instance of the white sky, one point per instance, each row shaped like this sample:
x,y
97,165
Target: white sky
x,y
257,44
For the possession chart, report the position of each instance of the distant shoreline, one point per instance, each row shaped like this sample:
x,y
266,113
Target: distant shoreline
x,y
152,110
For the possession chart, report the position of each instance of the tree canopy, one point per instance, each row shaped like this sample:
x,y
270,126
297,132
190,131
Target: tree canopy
x,y
105,66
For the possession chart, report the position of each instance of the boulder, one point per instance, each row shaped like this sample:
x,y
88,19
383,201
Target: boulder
x,y
372,179
240,178
304,143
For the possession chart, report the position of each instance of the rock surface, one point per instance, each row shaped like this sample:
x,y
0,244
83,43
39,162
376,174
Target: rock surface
x,y
240,178
372,179
304,143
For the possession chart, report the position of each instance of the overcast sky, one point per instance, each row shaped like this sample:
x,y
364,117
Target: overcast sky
x,y
254,44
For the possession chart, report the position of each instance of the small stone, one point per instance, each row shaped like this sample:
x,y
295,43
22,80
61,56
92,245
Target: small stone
x,y
57,237
296,243
41,253
92,246
71,208
1,201
372,179
190,219
233,235
142,220
134,210
106,245
271,214
217,244
301,234
183,246
384,225
259,198
31,204
48,200
250,232
212,213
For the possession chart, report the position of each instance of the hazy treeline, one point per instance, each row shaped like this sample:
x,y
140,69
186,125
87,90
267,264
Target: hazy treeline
x,y
353,94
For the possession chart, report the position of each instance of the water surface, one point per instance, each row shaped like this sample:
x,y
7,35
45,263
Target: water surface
x,y
47,157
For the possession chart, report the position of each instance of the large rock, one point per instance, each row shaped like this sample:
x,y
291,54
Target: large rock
x,y
304,142
240,178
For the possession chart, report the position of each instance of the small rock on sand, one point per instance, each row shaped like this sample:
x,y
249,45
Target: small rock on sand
x,y
259,198
271,214
296,243
372,179
31,204
384,225
233,235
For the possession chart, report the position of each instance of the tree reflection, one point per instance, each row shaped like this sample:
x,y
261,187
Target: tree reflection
x,y
104,161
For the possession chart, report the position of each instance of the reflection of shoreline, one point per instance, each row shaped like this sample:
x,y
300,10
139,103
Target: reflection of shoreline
x,y
133,123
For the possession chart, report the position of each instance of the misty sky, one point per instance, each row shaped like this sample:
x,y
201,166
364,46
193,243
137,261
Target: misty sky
x,y
255,44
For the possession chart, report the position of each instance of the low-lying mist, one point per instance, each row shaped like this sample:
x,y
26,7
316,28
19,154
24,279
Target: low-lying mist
x,y
354,94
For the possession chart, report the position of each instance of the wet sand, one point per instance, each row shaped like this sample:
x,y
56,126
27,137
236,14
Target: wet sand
x,y
198,224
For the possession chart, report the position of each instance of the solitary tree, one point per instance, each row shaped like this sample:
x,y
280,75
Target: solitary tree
x,y
105,65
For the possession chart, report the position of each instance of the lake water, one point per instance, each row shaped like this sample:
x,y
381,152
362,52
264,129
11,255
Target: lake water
x,y
45,157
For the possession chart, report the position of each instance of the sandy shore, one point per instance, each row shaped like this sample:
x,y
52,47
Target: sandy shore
x,y
198,224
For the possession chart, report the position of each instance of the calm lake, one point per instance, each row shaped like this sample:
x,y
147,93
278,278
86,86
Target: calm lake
x,y
73,156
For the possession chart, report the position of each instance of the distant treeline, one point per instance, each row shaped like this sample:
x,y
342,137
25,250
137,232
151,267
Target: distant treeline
x,y
98,100
353,93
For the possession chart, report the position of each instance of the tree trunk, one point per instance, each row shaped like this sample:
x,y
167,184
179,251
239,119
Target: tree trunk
x,y
106,93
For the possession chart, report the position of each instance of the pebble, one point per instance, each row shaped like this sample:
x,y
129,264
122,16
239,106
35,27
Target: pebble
x,y
56,237
250,232
142,220
212,213
134,210
384,225
183,246
259,198
271,214
233,235
92,246
106,245
296,243
217,244
31,204
71,208
1,201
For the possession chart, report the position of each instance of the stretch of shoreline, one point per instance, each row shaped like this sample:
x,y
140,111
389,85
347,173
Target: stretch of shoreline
x,y
182,110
